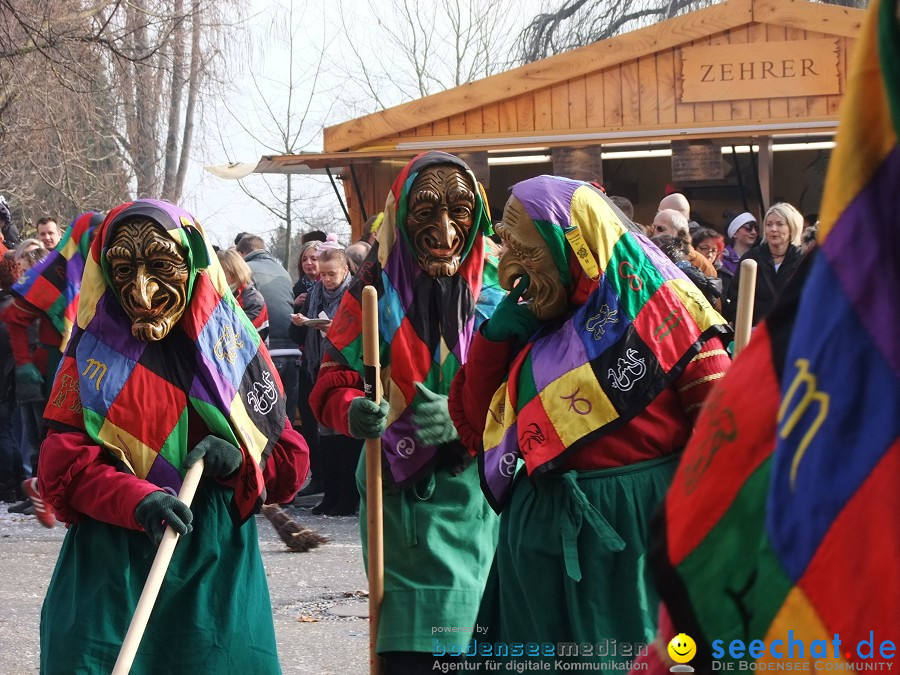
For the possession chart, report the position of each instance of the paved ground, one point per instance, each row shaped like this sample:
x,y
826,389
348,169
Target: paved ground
x,y
311,594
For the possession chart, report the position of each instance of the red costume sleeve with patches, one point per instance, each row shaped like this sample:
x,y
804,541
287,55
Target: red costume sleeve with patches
x,y
286,467
665,425
336,386
700,376
77,477
474,387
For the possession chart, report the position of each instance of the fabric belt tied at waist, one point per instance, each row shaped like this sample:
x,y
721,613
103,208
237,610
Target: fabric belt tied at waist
x,y
577,510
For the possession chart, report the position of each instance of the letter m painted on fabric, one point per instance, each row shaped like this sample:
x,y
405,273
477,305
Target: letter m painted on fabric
x,y
810,397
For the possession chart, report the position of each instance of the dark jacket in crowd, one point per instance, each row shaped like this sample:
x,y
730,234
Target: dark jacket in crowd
x,y
273,281
769,282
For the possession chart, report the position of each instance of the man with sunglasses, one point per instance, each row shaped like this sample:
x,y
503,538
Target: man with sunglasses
x,y
743,232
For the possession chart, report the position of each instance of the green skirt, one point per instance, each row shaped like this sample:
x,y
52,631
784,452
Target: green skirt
x,y
571,564
439,539
213,613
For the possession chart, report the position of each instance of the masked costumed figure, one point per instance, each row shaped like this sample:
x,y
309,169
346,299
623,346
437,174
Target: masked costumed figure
x,y
46,301
594,381
434,287
162,368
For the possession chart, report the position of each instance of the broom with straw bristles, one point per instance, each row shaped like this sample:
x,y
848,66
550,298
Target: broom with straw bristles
x,y
292,533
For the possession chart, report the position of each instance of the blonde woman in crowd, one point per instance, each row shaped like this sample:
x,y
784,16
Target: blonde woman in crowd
x,y
776,257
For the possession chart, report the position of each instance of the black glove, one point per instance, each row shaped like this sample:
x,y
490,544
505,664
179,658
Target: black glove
x,y
159,509
220,458
29,384
367,419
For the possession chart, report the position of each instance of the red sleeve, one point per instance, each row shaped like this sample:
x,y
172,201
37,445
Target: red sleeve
x,y
77,477
700,376
18,320
470,397
287,466
336,386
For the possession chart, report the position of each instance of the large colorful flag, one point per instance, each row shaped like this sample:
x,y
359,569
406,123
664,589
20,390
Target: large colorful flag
x,y
783,520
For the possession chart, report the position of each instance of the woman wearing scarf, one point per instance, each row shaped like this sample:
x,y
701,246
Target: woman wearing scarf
x,y
428,266
162,369
594,380
308,271
340,453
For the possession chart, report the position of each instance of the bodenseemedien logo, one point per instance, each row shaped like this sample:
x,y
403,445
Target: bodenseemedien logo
x,y
682,649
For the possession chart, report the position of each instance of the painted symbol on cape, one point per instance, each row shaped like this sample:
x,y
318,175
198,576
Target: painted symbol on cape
x,y
532,434
597,323
669,323
405,447
811,395
722,430
366,273
632,278
506,465
498,416
249,483
697,299
125,450
577,403
631,369
93,369
228,345
263,396
67,384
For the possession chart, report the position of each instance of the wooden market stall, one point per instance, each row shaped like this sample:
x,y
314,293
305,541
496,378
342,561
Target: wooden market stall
x,y
700,102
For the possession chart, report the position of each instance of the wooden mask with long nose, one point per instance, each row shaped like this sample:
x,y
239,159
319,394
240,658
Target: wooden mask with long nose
x,y
150,275
440,213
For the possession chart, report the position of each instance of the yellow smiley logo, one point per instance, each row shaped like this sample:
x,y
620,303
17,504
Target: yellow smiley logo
x,y
682,648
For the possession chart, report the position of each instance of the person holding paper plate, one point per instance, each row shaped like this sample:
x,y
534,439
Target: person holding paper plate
x,y
340,453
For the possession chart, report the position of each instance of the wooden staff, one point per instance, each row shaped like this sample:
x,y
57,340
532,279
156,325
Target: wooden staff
x,y
744,316
155,578
374,522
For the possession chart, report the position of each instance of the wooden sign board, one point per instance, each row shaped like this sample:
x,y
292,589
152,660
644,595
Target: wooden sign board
x,y
694,161
760,70
578,163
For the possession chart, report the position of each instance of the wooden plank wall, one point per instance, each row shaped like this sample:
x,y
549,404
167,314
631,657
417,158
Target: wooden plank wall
x,y
636,95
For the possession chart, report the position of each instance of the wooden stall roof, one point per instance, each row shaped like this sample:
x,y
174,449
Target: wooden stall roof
x,y
624,88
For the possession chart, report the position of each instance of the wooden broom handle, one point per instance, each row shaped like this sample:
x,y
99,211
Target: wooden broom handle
x,y
743,322
154,580
374,506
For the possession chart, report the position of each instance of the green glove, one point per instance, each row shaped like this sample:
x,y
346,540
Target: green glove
x,y
29,384
367,419
220,458
431,416
159,509
512,319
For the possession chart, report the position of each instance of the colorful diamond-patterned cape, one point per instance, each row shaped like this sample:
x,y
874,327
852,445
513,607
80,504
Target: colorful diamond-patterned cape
x,y
52,285
134,397
783,519
425,323
642,322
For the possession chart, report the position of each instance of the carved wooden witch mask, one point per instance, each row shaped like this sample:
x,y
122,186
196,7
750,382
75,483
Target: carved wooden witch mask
x,y
526,252
440,213
149,273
